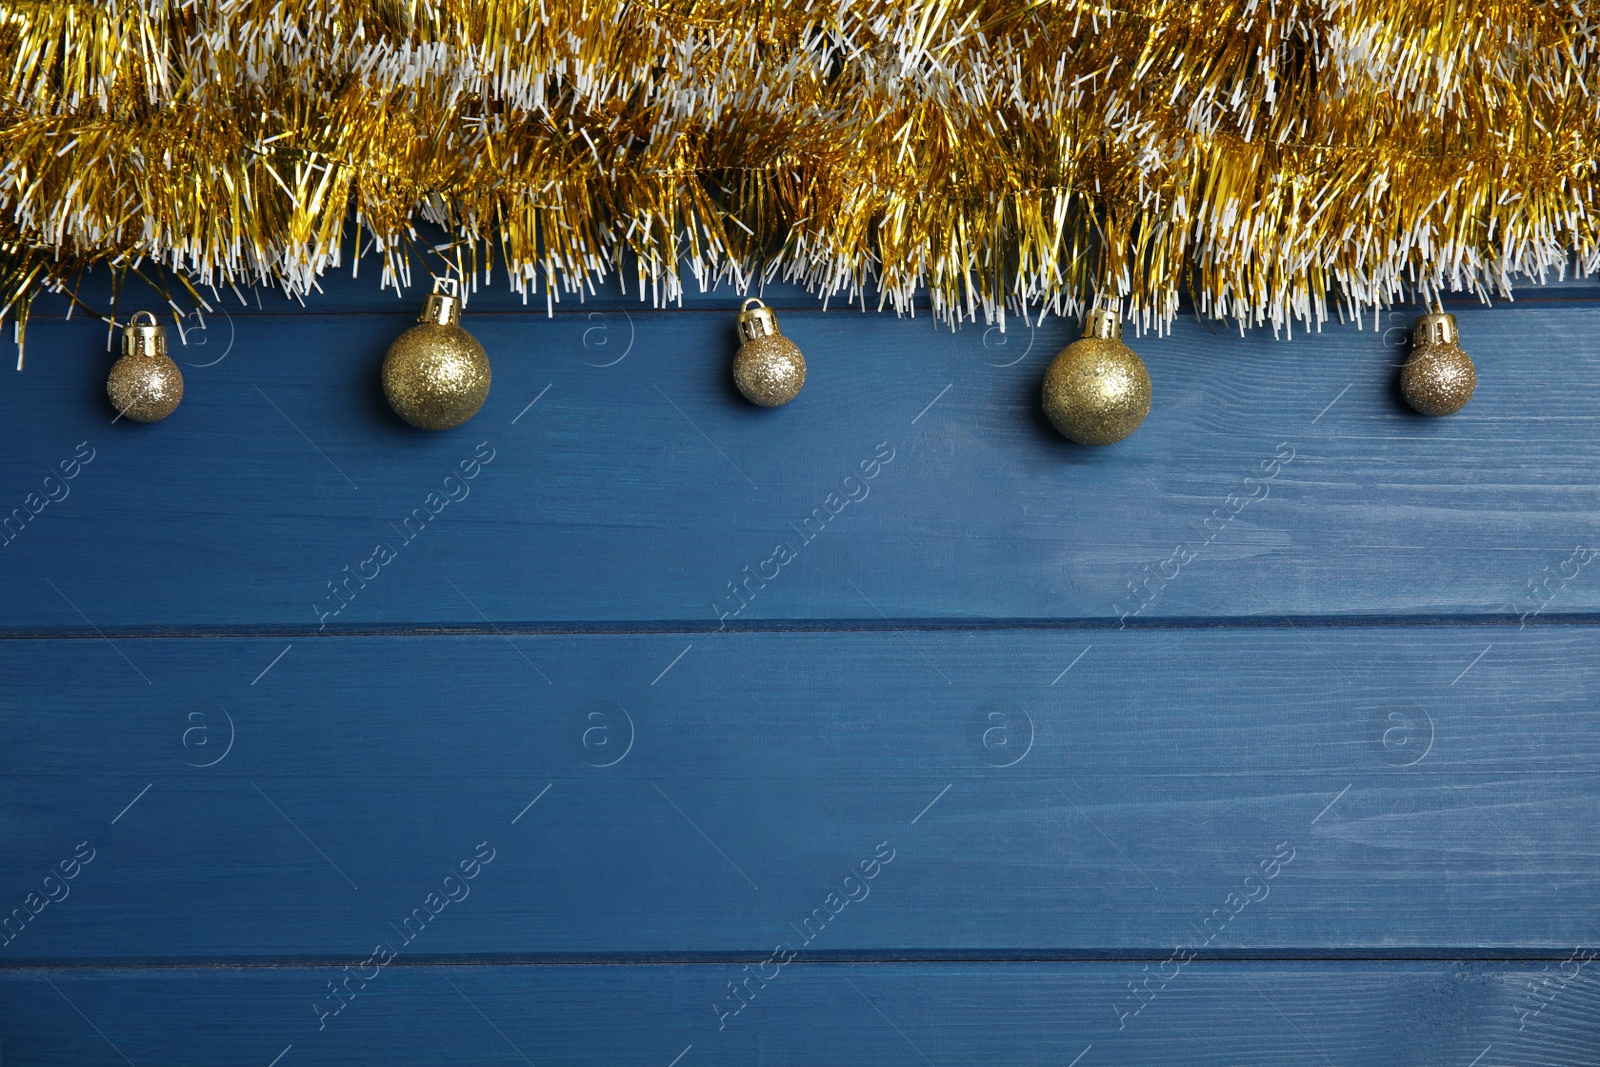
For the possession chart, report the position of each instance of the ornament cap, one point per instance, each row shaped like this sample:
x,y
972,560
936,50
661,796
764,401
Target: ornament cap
x,y
441,308
758,321
144,338
1435,328
1103,323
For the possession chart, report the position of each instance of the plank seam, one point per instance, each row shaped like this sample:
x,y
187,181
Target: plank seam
x,y
863,625
810,959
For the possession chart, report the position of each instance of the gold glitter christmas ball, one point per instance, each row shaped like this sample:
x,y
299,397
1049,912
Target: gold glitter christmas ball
x,y
436,375
1439,378
145,385
768,368
1097,390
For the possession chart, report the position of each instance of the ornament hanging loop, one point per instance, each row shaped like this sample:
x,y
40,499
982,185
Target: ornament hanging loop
x,y
758,321
442,308
1435,328
1102,322
145,338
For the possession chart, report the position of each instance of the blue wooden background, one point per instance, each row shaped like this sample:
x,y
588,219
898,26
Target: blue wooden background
x,y
632,724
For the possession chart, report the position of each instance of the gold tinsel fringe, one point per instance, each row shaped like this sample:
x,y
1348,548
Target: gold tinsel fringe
x,y
1269,158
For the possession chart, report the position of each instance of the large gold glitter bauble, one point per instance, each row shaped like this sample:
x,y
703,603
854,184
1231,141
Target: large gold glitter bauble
x,y
1097,391
436,375
145,385
1439,378
768,368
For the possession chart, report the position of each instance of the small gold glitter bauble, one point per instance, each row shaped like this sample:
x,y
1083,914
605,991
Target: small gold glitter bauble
x,y
145,385
768,368
1439,378
436,375
1097,391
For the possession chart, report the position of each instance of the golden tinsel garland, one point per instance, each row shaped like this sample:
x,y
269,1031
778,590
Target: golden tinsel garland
x,y
1269,158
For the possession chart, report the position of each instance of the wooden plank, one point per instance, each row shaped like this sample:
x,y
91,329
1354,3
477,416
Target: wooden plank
x,y
1210,1013
642,491
649,796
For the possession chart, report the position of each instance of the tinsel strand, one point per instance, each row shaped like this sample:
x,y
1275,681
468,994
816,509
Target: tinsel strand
x,y
1277,162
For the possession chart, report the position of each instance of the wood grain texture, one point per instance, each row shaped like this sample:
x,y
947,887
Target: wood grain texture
x,y
646,682
1044,794
635,493
1213,1014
